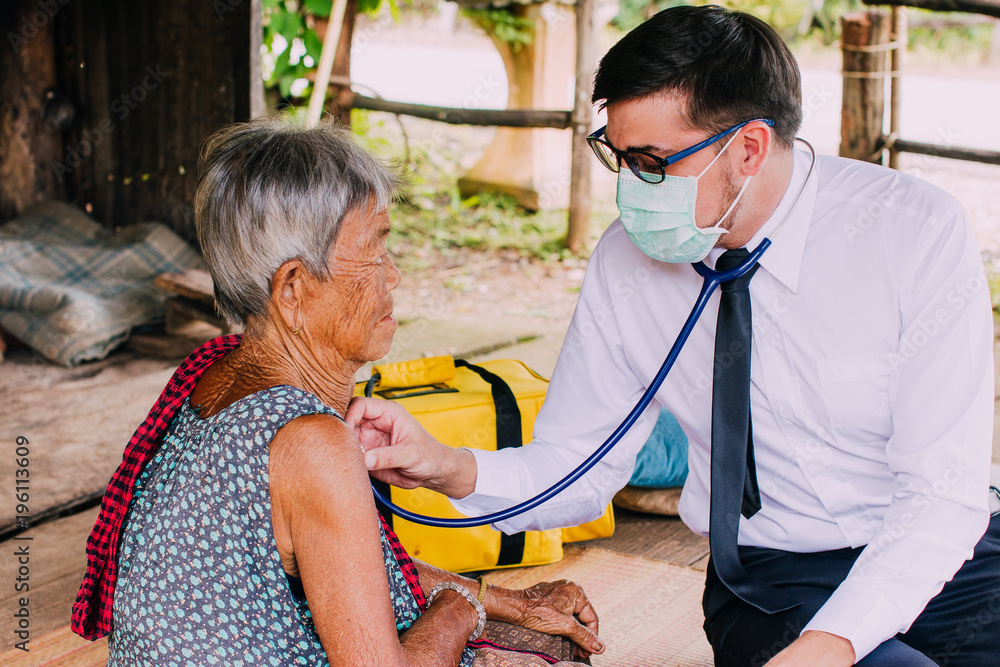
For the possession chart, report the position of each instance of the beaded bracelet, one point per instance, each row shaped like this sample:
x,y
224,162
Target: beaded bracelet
x,y
464,592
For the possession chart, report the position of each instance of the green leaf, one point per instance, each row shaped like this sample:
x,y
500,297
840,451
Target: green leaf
x,y
285,84
369,6
282,66
314,47
287,24
321,8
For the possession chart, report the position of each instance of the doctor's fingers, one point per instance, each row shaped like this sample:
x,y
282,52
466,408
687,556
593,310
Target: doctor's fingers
x,y
393,478
407,459
375,412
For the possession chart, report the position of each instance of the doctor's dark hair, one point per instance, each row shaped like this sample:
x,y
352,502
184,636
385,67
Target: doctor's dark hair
x,y
730,66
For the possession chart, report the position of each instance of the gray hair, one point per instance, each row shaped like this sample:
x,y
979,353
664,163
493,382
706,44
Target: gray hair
x,y
272,190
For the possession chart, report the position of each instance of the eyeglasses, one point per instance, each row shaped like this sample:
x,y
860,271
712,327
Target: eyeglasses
x,y
647,166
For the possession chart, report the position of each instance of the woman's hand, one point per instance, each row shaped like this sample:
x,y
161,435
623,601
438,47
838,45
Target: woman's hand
x,y
554,607
815,649
400,452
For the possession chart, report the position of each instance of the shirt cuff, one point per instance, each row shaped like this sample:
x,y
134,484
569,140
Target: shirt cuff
x,y
864,618
495,490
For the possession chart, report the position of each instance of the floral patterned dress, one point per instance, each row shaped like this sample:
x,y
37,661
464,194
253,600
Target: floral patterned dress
x,y
200,578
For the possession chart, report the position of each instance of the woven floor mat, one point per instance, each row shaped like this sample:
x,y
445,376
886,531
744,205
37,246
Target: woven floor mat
x,y
650,613
650,610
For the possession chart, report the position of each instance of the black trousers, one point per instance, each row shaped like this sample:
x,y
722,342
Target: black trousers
x,y
960,627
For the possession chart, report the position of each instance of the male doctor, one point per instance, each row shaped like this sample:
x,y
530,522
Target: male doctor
x,y
838,398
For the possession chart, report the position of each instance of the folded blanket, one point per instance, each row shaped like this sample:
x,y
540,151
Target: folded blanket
x,y
72,290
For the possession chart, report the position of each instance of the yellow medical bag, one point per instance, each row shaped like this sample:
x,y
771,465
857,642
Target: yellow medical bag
x,y
487,406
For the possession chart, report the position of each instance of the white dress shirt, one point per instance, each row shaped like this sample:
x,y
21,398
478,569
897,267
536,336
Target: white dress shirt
x,y
871,390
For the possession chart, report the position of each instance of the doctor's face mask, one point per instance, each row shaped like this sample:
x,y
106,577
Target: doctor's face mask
x,y
660,217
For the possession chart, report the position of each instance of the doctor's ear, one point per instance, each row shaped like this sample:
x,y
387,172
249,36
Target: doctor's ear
x,y
756,143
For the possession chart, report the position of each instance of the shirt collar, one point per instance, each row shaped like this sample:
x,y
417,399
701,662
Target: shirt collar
x,y
783,259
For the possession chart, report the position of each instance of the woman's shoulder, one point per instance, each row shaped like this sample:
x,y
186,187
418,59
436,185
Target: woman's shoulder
x,y
317,442
317,475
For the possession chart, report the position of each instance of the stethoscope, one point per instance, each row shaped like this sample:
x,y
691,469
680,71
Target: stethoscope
x,y
712,279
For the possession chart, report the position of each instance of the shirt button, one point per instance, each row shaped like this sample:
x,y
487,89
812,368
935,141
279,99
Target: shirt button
x,y
786,413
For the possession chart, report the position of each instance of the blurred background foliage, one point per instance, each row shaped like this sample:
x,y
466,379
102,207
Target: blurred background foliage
x,y
800,20
430,216
291,47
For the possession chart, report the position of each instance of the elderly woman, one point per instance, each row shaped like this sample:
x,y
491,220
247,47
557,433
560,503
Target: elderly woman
x,y
252,536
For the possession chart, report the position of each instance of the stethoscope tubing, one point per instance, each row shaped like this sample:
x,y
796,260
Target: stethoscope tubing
x,y
712,279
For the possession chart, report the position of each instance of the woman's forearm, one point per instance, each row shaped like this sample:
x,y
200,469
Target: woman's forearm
x,y
501,604
438,637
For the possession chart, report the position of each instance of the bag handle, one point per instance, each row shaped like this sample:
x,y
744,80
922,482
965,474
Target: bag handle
x,y
412,373
508,414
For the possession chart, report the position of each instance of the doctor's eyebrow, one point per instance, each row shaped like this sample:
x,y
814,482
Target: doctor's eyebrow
x,y
648,148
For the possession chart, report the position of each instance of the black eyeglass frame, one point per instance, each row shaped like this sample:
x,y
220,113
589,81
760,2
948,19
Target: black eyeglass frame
x,y
596,139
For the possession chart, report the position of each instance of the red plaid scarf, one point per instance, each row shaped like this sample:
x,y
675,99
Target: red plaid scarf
x,y
92,609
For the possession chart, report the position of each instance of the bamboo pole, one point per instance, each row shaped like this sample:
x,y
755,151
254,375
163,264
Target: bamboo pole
x,y
898,35
580,159
951,152
455,116
325,68
864,41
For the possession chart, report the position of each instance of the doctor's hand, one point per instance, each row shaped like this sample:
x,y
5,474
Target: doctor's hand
x,y
400,452
815,649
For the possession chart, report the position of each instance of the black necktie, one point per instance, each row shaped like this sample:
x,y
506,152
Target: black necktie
x,y
734,474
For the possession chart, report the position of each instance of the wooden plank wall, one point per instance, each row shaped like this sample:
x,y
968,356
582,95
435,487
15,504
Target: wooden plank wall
x,y
27,71
151,80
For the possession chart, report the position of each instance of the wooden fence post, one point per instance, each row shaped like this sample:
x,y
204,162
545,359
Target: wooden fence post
x,y
579,185
863,39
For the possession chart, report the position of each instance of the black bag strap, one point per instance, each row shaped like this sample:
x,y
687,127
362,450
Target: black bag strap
x,y
508,435
508,429
508,414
